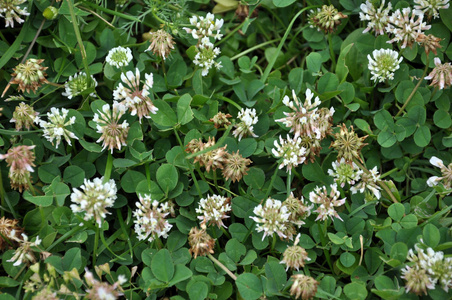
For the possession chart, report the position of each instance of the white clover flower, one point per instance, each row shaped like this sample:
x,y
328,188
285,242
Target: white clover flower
x,y
119,57
10,9
114,134
306,118
214,209
272,218
327,202
56,129
291,151
405,28
345,173
383,65
430,7
205,58
446,172
369,181
295,257
24,253
94,199
150,219
244,128
77,84
378,17
205,27
133,96
102,290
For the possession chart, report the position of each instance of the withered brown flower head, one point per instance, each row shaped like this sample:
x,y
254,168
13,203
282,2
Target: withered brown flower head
x,y
295,256
6,227
441,75
24,116
213,159
243,11
161,43
200,242
236,166
29,75
327,19
221,120
20,159
303,287
430,42
297,208
348,144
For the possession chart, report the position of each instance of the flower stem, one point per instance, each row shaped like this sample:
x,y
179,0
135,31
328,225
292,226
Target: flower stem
x,y
332,55
323,239
289,181
223,267
414,90
252,49
267,193
96,245
108,168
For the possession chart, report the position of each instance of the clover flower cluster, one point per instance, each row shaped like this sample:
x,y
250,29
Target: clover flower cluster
x,y
150,218
119,57
103,290
206,52
107,121
295,256
201,243
6,229
24,253
93,199
378,17
161,43
134,97
214,209
297,208
56,128
10,10
426,270
247,118
272,218
309,123
327,202
77,84
325,19
291,152
304,287
29,75
20,160
446,179
369,182
430,7
348,144
383,64
441,75
24,115
343,172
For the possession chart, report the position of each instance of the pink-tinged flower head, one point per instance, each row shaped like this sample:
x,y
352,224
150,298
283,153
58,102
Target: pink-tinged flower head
x,y
20,158
441,75
303,287
430,7
24,116
161,43
102,290
114,133
327,202
295,256
11,11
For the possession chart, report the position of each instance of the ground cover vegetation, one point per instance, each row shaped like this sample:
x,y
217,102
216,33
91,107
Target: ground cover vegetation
x,y
252,149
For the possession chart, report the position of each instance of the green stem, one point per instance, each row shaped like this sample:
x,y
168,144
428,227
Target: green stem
x,y
230,34
223,267
281,44
108,167
229,101
252,49
215,180
273,242
96,244
65,236
333,56
388,173
289,181
267,193
225,232
111,12
414,90
323,239
124,230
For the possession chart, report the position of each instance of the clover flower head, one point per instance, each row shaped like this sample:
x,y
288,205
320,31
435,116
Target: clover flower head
x,y
345,173
272,218
24,253
306,119
221,120
20,160
303,287
102,290
298,209
430,43
77,84
441,75
430,7
378,17
6,229
235,166
325,19
214,209
369,181
161,43
205,56
29,75
446,172
114,133
406,25
10,10
213,159
383,64
150,218
205,27
133,96
327,202
247,119
348,144
201,243
93,199
56,128
119,57
417,280
295,256
24,115
290,151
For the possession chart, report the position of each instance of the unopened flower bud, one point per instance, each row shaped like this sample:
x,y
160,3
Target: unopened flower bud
x,y
50,13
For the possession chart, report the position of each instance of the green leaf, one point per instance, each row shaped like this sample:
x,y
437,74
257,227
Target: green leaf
x,y
355,291
43,201
283,3
74,175
314,62
235,250
255,178
7,282
327,83
422,136
341,67
198,290
347,259
181,273
249,258
184,112
386,139
442,119
162,266
247,147
335,239
383,120
276,275
72,259
431,235
396,211
165,116
130,180
296,79
409,221
176,73
134,133
47,173
91,147
167,177
399,251
249,285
